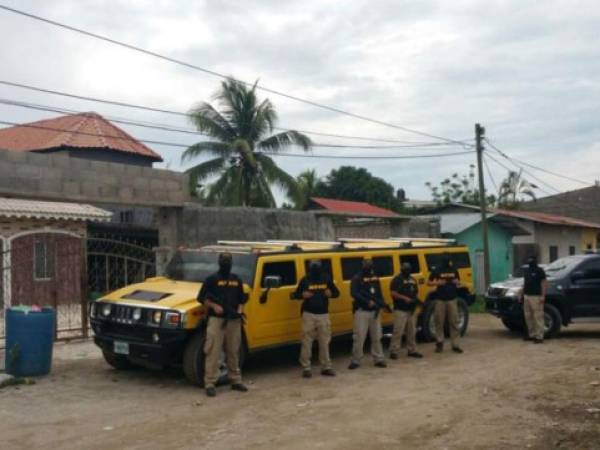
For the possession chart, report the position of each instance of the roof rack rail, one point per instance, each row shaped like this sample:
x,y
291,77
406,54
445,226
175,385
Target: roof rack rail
x,y
254,244
432,240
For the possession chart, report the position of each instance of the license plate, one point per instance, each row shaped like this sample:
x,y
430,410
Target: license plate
x,y
121,348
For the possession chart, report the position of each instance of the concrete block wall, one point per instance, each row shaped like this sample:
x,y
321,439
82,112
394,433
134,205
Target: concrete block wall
x,y
65,178
199,225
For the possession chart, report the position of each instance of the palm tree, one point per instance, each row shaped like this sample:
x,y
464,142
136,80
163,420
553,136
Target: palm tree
x,y
513,189
307,184
241,131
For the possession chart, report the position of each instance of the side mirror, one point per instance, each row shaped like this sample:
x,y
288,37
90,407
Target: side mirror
x,y
272,281
577,275
269,282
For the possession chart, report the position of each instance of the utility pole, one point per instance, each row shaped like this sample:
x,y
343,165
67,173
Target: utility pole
x,y
479,134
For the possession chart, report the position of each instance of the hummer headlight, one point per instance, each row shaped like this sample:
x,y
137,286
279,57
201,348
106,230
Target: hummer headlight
x,y
93,309
172,319
137,314
106,309
156,315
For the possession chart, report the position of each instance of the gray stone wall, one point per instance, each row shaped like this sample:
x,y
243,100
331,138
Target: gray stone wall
x,y
197,225
64,178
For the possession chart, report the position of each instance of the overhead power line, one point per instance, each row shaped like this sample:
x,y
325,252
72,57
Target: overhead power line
x,y
504,155
439,155
177,130
220,75
173,144
186,115
489,172
533,176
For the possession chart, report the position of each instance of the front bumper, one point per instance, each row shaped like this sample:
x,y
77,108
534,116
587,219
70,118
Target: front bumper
x,y
143,349
504,307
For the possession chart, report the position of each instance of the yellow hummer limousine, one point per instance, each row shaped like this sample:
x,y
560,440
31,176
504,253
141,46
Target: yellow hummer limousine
x,y
159,323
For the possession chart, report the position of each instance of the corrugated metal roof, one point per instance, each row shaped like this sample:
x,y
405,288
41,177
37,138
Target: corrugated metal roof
x,y
349,207
550,219
85,130
14,207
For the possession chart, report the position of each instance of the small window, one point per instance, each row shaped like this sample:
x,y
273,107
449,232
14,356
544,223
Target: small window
x,y
571,250
383,266
413,260
43,261
285,269
351,266
460,260
553,253
325,266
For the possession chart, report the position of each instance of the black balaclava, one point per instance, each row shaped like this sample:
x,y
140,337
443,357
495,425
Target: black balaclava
x,y
225,263
314,269
406,269
446,262
532,262
367,267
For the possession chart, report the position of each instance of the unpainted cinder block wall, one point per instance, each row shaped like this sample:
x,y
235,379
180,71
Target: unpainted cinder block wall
x,y
65,178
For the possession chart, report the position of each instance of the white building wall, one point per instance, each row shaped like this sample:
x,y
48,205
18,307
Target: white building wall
x,y
561,237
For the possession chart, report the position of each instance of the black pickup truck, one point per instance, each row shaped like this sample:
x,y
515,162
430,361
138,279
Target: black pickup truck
x,y
573,294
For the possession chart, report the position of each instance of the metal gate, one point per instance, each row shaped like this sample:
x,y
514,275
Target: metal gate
x,y
65,272
114,263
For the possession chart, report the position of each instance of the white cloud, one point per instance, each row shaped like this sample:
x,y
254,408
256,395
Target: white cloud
x,y
526,70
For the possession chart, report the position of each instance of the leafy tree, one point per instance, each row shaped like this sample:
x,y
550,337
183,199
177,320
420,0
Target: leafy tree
x,y
458,189
307,185
357,184
514,189
240,127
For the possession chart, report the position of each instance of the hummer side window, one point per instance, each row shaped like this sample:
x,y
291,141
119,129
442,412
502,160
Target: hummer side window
x,y
383,266
351,266
413,260
325,266
285,269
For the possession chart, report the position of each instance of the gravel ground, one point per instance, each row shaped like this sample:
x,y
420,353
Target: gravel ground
x,y
503,393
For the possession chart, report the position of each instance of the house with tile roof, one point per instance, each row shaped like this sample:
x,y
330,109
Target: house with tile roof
x,y
86,135
362,220
515,234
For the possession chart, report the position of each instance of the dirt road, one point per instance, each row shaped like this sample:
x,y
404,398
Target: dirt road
x,y
502,393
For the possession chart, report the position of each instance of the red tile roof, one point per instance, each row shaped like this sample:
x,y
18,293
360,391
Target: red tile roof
x,y
348,207
549,219
85,130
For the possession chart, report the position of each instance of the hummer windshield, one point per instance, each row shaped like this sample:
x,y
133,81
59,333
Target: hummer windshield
x,y
196,265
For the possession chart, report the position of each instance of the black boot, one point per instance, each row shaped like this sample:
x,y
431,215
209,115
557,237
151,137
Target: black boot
x,y
239,387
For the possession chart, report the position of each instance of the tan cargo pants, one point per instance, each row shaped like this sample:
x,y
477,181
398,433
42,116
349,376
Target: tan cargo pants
x,y
404,323
216,335
366,322
446,310
315,326
533,309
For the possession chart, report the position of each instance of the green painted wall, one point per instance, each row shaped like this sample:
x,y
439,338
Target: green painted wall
x,y
501,255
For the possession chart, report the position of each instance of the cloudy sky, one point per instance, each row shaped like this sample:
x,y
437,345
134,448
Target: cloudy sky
x,y
529,71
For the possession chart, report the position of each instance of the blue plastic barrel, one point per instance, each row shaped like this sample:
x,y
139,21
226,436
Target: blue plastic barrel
x,y
29,341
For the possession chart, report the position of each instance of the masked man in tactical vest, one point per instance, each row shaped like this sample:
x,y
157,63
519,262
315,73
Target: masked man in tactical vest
x,y
446,280
365,289
404,290
222,295
315,289
534,293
